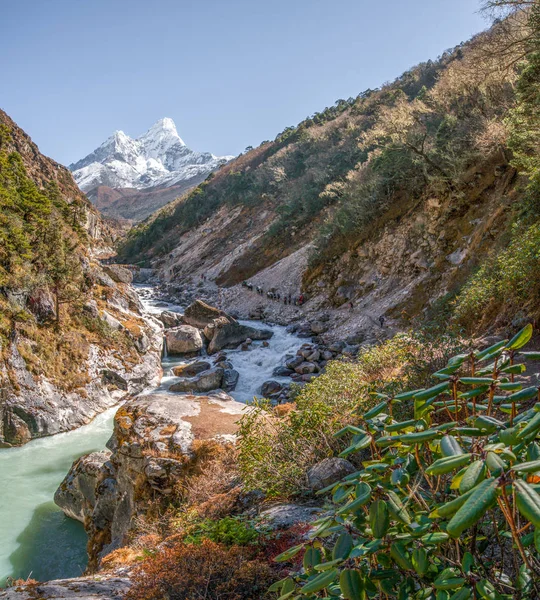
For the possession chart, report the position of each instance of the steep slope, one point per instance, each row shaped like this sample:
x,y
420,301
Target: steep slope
x,y
73,340
383,203
154,162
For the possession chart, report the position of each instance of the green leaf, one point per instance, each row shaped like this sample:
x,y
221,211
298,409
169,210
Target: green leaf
x,y
467,562
451,507
437,537
320,582
419,437
531,466
482,498
312,557
397,508
352,585
420,561
474,474
463,594
525,394
288,554
531,355
487,351
528,502
448,580
375,410
432,391
532,427
400,426
379,518
450,446
495,463
401,556
514,369
447,464
343,546
363,495
521,338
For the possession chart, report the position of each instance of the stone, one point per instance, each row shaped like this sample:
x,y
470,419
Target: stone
x,y
184,340
314,356
42,305
282,372
103,587
230,380
113,378
111,321
295,362
337,347
265,344
327,355
318,327
170,319
305,368
91,309
230,335
284,516
271,388
356,338
191,369
118,273
328,471
205,381
199,314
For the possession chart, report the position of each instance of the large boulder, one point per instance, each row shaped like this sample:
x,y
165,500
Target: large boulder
x,y
230,380
154,445
170,319
328,471
199,314
203,382
230,335
184,340
271,388
192,369
105,587
118,273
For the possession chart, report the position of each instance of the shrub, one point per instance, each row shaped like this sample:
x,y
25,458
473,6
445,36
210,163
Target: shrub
x,y
207,571
447,504
508,283
275,453
228,531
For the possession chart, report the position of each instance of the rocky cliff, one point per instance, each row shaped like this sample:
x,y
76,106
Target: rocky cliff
x,y
73,338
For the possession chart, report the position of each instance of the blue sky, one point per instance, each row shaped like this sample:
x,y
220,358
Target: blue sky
x,y
230,73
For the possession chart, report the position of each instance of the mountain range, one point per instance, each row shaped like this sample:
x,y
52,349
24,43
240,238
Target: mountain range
x,y
131,178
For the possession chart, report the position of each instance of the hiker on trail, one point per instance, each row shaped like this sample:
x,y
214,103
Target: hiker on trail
x,y
381,321
301,299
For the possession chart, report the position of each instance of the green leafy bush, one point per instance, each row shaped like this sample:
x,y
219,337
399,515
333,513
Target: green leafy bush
x,y
228,531
504,285
447,505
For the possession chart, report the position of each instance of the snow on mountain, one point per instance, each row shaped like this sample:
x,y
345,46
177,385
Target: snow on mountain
x,y
159,157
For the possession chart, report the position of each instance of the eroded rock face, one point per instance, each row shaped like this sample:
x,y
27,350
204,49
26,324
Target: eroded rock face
x,y
206,381
118,273
152,445
184,340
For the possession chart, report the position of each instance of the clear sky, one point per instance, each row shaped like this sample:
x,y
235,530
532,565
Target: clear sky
x,y
231,73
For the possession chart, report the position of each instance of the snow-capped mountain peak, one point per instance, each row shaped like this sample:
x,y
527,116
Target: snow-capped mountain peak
x,y
159,157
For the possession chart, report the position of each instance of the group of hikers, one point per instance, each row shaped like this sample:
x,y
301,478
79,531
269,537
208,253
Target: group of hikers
x,y
275,295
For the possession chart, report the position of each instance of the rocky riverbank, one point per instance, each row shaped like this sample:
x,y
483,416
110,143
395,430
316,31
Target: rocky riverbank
x,y
34,403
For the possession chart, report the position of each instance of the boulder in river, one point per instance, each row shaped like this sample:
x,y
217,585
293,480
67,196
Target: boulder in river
x,y
191,369
271,388
184,340
230,335
206,381
199,314
230,380
170,319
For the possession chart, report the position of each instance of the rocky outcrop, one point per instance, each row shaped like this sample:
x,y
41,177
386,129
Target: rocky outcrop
x,y
170,319
184,340
79,588
152,447
118,273
206,381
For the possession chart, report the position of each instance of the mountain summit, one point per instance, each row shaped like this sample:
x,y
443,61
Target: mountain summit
x,y
158,158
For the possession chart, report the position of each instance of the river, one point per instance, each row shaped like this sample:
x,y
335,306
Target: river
x,y
36,538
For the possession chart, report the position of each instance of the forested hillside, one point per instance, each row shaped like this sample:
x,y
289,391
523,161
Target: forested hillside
x,y
453,134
